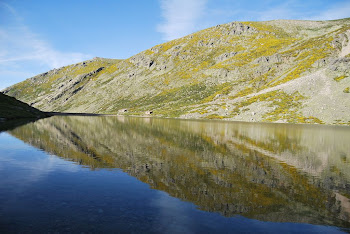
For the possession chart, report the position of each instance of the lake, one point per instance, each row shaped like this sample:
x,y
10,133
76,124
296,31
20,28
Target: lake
x,y
127,174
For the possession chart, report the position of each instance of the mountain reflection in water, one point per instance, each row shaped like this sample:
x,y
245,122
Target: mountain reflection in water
x,y
269,172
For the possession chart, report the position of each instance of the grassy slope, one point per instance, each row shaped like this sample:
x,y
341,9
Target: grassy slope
x,y
209,74
10,108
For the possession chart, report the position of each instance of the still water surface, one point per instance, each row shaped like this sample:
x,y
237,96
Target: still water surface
x,y
124,174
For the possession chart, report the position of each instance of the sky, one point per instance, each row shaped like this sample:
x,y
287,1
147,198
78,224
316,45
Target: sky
x,y
40,35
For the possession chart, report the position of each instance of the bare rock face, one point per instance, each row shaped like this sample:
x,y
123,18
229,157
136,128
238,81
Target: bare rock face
x,y
142,61
340,65
237,28
225,56
341,40
276,58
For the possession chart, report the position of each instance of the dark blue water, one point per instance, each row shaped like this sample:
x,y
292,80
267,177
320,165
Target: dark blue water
x,y
42,192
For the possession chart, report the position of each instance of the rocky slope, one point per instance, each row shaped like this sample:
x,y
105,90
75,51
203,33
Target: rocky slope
x,y
274,71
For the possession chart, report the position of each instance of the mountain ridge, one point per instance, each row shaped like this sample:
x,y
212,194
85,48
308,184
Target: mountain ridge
x,y
274,71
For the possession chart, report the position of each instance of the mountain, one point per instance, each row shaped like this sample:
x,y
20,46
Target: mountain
x,y
10,108
274,71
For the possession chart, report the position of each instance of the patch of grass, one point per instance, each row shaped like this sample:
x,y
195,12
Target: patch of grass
x,y
214,116
242,93
306,53
223,89
148,52
284,107
310,119
339,78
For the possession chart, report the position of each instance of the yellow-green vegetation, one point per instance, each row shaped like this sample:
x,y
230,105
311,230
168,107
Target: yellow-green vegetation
x,y
310,119
346,90
216,66
148,52
214,116
87,67
305,54
341,122
223,89
282,106
242,93
339,78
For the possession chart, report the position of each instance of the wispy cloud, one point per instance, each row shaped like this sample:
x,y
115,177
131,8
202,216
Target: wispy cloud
x,y
24,45
21,49
180,17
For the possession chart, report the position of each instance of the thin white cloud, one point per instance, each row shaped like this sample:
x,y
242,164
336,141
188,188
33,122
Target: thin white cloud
x,y
180,17
10,9
22,50
23,45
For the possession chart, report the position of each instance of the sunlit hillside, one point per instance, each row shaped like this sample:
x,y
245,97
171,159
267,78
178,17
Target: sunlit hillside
x,y
274,71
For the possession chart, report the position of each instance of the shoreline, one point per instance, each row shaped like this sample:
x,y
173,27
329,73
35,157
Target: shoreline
x,y
50,114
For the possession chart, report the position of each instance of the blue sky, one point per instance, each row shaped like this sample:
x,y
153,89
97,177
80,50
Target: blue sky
x,y
39,35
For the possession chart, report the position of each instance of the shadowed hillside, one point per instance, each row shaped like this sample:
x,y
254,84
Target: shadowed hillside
x,y
10,108
14,113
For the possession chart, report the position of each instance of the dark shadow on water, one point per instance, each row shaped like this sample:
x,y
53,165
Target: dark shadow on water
x,y
10,124
14,123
